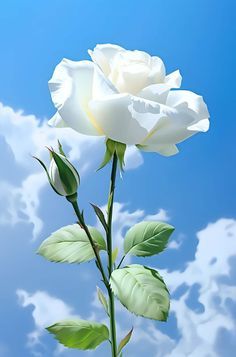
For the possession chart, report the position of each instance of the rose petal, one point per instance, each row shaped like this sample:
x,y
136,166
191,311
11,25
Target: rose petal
x,y
102,55
71,88
57,121
172,128
125,118
155,92
158,72
194,102
186,115
101,85
203,125
174,79
165,150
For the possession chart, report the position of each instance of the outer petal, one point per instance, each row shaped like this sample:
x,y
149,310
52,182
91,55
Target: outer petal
x,y
71,88
57,121
102,55
174,79
187,115
165,150
125,118
191,100
172,128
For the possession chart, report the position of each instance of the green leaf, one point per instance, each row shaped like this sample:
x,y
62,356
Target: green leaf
x,y
142,291
102,300
125,340
100,216
147,238
70,244
80,334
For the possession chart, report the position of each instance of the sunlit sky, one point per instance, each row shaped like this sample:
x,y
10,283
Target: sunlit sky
x,y
194,190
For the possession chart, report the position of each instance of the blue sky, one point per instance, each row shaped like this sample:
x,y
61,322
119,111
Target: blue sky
x,y
194,190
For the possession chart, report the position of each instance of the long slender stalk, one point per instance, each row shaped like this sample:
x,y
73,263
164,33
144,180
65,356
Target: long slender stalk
x,y
84,226
109,249
82,223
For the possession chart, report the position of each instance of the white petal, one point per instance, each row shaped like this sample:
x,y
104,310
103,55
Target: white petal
x,y
203,125
71,88
130,78
174,79
55,178
165,150
194,102
101,85
155,92
186,115
172,128
57,121
102,55
125,118
158,72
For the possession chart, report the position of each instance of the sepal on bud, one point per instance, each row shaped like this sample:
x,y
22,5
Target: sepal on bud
x,y
62,175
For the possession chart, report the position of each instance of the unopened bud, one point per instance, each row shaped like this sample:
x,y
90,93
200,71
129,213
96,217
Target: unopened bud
x,y
62,175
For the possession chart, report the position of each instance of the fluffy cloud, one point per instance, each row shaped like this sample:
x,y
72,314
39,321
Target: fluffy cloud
x,y
26,135
203,300
210,274
46,311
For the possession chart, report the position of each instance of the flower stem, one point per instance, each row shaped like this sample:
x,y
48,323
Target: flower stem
x,y
109,250
96,253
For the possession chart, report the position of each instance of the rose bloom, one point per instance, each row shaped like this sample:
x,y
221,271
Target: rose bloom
x,y
126,96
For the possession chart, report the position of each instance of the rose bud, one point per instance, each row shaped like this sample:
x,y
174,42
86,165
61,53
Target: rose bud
x,y
62,175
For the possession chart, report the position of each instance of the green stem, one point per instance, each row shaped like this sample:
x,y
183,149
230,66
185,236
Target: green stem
x,y
96,253
122,259
109,249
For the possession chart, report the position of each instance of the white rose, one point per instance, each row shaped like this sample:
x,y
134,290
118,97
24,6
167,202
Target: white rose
x,y
127,97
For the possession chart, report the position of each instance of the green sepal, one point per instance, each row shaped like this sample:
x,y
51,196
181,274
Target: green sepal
x,y
120,152
46,170
110,150
113,147
60,148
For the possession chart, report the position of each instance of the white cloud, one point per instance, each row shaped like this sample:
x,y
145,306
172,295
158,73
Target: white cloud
x,y
199,328
26,135
47,310
161,215
133,158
